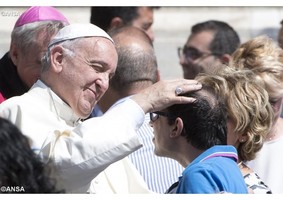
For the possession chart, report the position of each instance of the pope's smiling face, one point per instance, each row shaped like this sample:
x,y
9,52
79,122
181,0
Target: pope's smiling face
x,y
86,73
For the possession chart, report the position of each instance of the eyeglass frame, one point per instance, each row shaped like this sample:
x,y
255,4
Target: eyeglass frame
x,y
201,54
159,113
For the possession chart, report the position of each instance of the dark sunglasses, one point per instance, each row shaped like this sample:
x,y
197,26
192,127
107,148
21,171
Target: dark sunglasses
x,y
155,115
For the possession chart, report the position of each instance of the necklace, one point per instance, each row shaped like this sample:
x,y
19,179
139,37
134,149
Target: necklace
x,y
242,165
244,168
270,137
272,134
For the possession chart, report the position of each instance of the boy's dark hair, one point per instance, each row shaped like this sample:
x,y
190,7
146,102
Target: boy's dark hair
x,y
205,120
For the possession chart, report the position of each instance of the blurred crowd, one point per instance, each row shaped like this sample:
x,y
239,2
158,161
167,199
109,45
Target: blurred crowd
x,y
84,107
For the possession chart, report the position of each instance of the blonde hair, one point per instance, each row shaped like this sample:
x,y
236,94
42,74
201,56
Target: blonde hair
x,y
265,58
247,106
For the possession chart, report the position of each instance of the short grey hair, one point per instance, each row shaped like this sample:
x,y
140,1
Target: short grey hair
x,y
69,47
27,36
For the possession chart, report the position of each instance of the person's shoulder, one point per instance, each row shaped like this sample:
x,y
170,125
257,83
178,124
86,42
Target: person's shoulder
x,y
14,102
256,184
9,102
5,57
9,106
1,98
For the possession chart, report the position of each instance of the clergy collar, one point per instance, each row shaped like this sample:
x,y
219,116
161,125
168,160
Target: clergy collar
x,y
57,105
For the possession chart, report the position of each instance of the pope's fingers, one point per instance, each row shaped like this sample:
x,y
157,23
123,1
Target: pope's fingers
x,y
188,88
185,100
166,93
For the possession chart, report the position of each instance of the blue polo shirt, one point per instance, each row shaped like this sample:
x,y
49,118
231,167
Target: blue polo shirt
x,y
213,171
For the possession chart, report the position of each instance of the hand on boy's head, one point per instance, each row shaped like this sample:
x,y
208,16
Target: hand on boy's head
x,y
166,93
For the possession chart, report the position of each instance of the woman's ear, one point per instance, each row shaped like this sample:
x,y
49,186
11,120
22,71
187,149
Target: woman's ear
x,y
243,138
56,58
177,128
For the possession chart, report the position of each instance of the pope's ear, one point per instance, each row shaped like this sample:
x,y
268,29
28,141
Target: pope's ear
x,y
158,75
177,127
56,58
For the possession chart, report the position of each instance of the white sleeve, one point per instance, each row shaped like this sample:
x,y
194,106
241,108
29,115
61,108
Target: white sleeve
x,y
81,154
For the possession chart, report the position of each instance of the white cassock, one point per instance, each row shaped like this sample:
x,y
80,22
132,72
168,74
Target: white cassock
x,y
79,150
120,177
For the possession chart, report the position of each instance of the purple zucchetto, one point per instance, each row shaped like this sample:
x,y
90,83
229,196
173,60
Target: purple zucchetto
x,y
40,13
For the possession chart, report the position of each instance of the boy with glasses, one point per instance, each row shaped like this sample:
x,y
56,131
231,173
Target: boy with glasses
x,y
196,136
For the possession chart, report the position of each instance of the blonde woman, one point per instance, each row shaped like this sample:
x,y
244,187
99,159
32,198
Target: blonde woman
x,y
250,117
265,58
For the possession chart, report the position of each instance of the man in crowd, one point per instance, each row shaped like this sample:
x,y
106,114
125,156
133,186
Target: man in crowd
x,y
208,47
20,67
109,18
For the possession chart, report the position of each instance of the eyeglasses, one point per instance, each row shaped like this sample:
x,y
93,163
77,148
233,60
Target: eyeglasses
x,y
190,53
155,115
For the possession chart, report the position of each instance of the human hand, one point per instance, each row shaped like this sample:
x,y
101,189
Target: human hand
x,y
166,93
